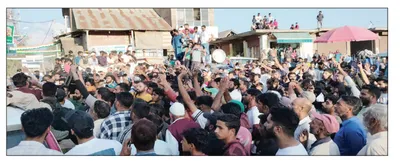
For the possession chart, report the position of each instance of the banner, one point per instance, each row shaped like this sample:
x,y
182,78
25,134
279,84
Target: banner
x,y
108,49
10,34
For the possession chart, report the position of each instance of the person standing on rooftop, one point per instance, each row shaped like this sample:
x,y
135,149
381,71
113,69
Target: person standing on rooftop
x,y
320,17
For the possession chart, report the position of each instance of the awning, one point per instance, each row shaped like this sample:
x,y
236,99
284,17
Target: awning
x,y
293,37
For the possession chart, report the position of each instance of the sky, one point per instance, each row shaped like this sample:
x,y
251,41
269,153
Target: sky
x,y
239,20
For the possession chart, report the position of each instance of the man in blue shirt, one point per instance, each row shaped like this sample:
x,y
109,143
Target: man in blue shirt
x,y
78,58
177,44
351,137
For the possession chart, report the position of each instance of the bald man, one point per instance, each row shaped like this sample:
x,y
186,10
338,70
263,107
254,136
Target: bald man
x,y
302,107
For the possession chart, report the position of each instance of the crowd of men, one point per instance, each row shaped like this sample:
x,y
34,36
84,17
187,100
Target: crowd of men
x,y
327,106
259,22
191,46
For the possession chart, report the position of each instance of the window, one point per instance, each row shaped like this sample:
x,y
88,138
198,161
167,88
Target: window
x,y
197,23
180,15
204,14
193,17
190,23
196,14
189,15
205,22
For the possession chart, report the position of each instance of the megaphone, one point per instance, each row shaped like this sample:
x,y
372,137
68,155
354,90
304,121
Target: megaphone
x,y
219,56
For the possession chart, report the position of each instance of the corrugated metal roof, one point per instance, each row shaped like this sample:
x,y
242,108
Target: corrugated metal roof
x,y
119,19
225,33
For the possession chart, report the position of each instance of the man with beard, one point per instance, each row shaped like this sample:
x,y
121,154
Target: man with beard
x,y
77,100
281,123
249,99
110,82
141,92
376,120
292,77
113,125
382,83
234,91
328,107
351,137
327,77
369,96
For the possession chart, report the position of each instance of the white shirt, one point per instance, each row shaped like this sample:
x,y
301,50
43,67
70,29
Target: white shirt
x,y
171,140
304,124
252,115
236,95
97,126
201,120
205,36
196,37
258,19
294,150
31,148
99,147
160,148
270,18
376,145
93,62
126,58
326,149
68,104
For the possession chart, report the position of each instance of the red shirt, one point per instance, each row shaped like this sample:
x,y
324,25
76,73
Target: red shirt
x,y
235,148
36,92
296,27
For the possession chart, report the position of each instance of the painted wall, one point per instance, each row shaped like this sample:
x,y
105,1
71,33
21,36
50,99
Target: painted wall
x,y
306,50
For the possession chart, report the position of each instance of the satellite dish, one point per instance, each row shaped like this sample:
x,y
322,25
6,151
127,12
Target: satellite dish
x,y
219,55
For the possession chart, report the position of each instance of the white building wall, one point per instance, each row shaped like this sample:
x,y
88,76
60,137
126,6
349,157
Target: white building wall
x,y
264,46
306,50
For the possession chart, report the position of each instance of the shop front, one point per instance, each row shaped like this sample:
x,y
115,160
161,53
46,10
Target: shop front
x,y
302,42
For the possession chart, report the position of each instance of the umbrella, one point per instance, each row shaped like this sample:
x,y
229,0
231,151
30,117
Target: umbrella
x,y
346,34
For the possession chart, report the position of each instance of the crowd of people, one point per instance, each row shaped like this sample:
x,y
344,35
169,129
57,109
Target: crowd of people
x,y
259,22
327,106
191,47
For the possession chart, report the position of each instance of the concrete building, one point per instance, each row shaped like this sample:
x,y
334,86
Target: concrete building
x,y
177,17
116,29
252,43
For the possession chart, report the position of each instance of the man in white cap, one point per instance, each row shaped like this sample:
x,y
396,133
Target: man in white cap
x,y
93,62
178,126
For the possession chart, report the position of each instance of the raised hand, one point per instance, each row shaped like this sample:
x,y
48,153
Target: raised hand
x,y
126,148
224,84
25,69
183,73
